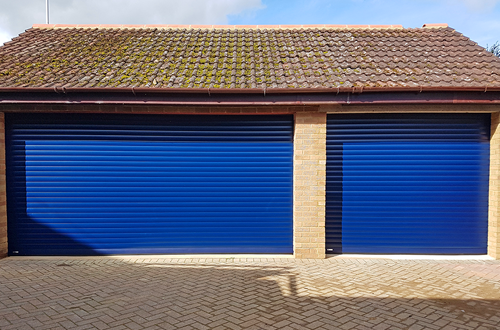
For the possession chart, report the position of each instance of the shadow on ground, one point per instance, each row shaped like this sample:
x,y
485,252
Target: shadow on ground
x,y
244,294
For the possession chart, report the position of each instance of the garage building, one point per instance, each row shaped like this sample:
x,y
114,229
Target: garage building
x,y
304,140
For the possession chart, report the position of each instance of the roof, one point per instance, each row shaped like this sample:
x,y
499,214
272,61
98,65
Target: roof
x,y
245,57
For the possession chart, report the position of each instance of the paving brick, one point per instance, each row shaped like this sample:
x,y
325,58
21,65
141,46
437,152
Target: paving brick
x,y
335,293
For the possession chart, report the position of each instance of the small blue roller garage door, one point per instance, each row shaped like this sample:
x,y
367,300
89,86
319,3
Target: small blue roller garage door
x,y
87,184
407,183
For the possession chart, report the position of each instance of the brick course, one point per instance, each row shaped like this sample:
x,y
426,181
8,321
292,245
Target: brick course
x,y
3,191
154,109
309,178
493,212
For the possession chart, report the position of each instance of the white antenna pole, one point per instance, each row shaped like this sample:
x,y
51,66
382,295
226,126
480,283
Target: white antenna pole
x,y
47,11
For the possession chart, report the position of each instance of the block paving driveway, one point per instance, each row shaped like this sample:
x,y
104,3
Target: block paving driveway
x,y
336,293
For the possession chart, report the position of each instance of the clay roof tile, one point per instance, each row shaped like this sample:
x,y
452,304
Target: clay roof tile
x,y
317,56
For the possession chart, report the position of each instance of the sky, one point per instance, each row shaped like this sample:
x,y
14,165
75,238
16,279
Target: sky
x,y
477,19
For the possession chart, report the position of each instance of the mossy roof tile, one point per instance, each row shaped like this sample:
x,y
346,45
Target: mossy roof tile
x,y
245,57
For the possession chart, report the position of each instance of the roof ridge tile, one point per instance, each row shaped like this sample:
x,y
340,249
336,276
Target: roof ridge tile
x,y
435,25
209,26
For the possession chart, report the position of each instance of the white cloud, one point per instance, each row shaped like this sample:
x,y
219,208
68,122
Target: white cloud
x,y
480,5
4,37
17,16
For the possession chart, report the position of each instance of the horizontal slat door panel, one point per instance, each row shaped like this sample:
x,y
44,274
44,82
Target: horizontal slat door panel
x,y
116,184
407,183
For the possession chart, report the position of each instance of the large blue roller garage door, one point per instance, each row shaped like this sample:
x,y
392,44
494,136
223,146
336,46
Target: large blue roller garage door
x,y
407,183
86,184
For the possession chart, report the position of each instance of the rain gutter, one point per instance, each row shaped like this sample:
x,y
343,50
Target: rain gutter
x,y
252,96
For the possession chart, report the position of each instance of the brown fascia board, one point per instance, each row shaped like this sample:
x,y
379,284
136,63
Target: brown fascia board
x,y
256,96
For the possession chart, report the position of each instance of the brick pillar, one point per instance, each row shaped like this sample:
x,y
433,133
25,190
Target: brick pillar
x,y
309,177
3,191
493,214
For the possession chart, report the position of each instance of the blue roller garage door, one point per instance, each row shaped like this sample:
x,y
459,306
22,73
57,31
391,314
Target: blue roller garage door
x,y
407,183
86,184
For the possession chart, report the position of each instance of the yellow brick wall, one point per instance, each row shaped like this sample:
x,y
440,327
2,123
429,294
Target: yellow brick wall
x,y
493,215
3,191
309,178
155,109
309,209
309,168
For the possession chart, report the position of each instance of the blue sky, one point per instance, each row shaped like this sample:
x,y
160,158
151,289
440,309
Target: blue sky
x,y
477,19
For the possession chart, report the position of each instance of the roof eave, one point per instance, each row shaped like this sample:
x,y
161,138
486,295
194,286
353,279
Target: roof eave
x,y
246,97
